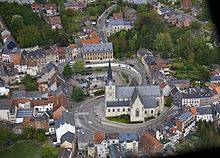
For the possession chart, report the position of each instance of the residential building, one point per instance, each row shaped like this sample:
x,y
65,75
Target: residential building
x,y
84,138
91,150
74,5
185,122
138,1
186,4
112,138
129,141
115,25
101,151
142,52
55,22
163,10
117,16
204,113
65,153
35,8
179,83
196,10
61,54
176,96
57,112
98,52
156,5
129,13
52,55
4,88
150,144
50,9
39,56
116,151
64,124
24,115
215,79
137,101
4,109
68,140
165,88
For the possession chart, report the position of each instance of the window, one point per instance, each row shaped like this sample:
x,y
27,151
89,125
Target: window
x,y
123,109
113,110
152,111
128,109
109,110
145,112
137,112
118,110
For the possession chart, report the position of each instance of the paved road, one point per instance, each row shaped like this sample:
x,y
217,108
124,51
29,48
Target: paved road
x,y
101,23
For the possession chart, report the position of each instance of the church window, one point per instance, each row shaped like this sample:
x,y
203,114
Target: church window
x,y
145,112
113,110
128,109
152,111
123,109
109,110
137,112
118,110
110,87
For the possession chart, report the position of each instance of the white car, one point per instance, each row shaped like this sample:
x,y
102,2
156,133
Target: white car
x,y
90,122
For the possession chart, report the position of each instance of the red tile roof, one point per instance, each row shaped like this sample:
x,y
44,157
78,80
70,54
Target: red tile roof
x,y
193,110
50,6
91,40
163,85
150,139
212,85
98,137
54,19
35,6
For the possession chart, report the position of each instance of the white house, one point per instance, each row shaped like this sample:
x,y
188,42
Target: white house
x,y
6,58
4,109
165,88
129,141
4,88
101,151
64,124
204,113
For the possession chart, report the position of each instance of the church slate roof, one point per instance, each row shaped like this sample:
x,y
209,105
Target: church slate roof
x,y
118,103
149,102
133,82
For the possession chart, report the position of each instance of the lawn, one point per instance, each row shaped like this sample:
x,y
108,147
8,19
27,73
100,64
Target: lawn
x,y
121,119
125,76
25,149
210,26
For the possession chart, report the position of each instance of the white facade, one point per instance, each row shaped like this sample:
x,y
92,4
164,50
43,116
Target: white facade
x,y
4,114
130,146
5,58
204,117
4,91
101,151
19,120
64,129
113,29
191,102
44,108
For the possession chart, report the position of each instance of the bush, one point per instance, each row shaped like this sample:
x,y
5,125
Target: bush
x,y
99,92
77,94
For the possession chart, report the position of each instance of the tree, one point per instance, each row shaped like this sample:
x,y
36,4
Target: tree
x,y
40,135
17,22
67,71
29,83
169,101
79,65
163,43
77,94
29,36
31,18
191,58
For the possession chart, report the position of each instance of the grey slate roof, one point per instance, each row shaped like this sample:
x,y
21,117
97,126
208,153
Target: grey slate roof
x,y
165,9
185,115
174,82
4,104
149,102
66,117
203,110
51,66
116,151
118,103
18,94
133,82
144,51
69,136
215,78
127,137
98,47
198,95
118,22
110,136
145,91
37,54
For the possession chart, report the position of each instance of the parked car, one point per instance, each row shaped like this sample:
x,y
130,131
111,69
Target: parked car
x,y
95,86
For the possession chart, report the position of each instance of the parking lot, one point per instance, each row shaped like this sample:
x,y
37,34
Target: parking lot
x,y
94,80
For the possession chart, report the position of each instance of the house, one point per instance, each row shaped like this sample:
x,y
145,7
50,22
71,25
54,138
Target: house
x,y
129,141
115,25
74,5
150,144
186,4
98,52
117,16
112,138
129,13
64,124
173,1
61,54
84,139
24,115
156,5
163,10
52,55
4,109
138,1
101,151
176,96
90,41
179,83
68,140
38,56
215,79
196,10
185,122
55,22
99,139
57,112
35,8
142,52
91,150
4,88
204,113
165,88
50,9
76,52
183,21
116,151
65,153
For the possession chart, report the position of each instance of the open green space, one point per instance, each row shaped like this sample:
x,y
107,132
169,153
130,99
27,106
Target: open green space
x,y
26,149
210,26
126,77
121,119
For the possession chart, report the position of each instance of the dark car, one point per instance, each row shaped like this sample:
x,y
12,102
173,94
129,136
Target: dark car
x,y
95,86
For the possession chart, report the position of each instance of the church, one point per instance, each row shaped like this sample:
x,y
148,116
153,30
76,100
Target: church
x,y
139,102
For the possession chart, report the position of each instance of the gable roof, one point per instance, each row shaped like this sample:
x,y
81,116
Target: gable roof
x,y
127,137
4,104
133,82
150,140
98,137
91,40
68,136
66,117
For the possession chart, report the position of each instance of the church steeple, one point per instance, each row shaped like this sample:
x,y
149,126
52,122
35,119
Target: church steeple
x,y
110,80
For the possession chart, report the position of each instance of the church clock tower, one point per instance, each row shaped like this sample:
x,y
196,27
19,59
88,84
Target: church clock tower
x,y
110,87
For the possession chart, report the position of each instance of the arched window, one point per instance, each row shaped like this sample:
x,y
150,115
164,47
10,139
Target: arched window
x,y
137,112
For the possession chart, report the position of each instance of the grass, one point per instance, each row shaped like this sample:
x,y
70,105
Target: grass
x,y
122,119
125,76
186,148
210,26
149,118
25,149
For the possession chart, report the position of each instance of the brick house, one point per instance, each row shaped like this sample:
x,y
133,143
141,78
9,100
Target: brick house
x,y
61,54
51,8
52,55
55,22
186,4
57,112
150,144
35,8
118,16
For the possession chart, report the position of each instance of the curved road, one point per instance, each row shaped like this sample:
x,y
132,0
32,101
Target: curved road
x,y
101,23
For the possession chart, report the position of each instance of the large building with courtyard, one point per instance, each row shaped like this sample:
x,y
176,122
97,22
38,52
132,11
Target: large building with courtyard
x,y
139,102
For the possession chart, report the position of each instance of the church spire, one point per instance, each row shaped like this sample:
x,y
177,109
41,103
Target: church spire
x,y
110,80
109,77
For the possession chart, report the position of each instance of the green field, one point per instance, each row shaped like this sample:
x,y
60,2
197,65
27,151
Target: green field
x,y
25,149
